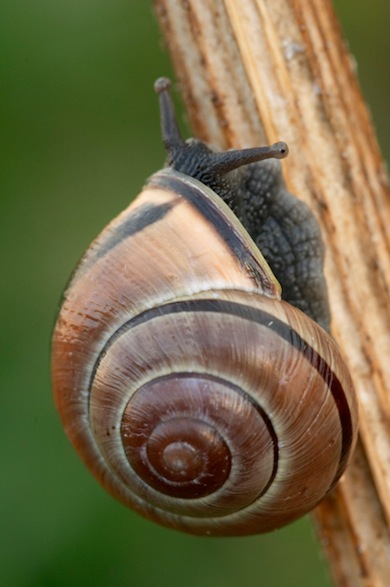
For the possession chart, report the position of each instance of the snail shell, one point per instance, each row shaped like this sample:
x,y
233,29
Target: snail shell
x,y
193,393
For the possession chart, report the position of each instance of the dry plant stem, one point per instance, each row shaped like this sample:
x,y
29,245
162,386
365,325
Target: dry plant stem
x,y
265,70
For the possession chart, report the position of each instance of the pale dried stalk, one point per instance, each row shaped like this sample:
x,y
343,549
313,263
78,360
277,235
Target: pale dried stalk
x,y
257,71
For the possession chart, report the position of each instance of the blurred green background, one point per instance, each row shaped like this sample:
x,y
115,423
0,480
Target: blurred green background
x,y
80,133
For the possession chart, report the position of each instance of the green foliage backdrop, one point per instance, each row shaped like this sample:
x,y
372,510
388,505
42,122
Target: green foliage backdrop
x,y
80,134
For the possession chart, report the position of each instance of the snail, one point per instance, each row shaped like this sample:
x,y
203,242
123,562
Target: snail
x,y
198,391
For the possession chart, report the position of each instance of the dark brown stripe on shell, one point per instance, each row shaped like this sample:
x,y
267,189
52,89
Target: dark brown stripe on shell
x,y
283,330
144,216
234,240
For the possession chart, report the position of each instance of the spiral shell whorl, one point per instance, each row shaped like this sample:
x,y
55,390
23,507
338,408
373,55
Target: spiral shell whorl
x,y
189,445
203,414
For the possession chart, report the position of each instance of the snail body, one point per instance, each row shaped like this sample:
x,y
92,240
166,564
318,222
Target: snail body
x,y
193,392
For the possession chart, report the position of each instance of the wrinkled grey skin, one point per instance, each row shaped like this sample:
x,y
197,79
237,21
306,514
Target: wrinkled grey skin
x,y
288,235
